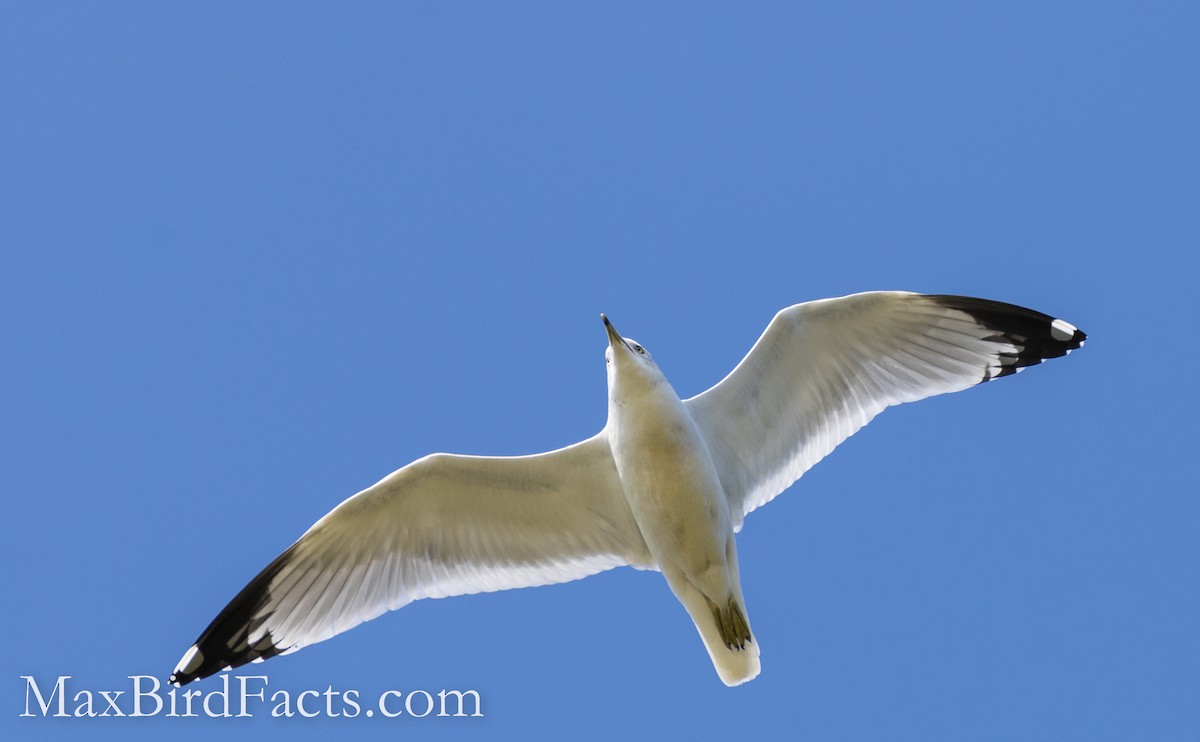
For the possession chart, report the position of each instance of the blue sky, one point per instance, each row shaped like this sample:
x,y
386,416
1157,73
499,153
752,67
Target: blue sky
x,y
255,258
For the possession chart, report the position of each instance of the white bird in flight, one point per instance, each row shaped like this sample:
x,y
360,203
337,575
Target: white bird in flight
x,y
664,486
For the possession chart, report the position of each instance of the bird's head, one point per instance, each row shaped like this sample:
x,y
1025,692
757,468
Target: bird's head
x,y
628,362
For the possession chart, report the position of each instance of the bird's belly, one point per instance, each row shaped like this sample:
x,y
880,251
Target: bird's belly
x,y
676,498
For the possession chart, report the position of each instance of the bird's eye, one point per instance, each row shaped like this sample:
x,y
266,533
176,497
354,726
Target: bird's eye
x,y
639,348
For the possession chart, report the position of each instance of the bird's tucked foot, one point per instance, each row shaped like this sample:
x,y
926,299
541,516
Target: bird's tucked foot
x,y
735,632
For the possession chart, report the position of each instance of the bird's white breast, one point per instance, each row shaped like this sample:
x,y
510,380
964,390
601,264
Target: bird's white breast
x,y
668,478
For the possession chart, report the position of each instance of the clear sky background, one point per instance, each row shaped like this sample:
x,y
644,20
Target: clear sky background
x,y
252,259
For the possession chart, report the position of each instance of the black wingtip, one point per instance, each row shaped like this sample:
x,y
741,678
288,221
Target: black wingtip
x,y
1036,336
225,644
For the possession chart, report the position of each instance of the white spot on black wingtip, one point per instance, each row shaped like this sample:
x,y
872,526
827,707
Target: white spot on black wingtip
x,y
1062,331
1025,337
191,660
227,642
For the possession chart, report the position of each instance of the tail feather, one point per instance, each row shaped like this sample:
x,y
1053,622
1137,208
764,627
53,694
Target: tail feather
x,y
726,633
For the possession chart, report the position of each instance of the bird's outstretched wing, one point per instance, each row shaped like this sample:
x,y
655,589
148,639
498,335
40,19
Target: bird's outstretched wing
x,y
443,525
824,369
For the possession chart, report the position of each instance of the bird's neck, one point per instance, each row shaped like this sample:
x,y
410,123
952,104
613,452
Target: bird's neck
x,y
641,401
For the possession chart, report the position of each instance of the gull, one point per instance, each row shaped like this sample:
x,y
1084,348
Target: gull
x,y
664,486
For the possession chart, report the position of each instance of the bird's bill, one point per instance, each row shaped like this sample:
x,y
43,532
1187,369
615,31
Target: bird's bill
x,y
614,337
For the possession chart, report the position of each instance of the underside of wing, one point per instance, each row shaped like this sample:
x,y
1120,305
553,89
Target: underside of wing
x,y
823,369
444,525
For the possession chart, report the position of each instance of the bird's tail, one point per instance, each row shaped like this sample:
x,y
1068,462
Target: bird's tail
x,y
726,633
